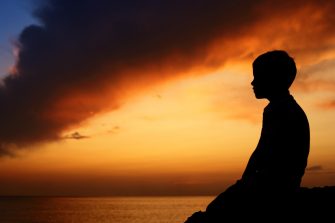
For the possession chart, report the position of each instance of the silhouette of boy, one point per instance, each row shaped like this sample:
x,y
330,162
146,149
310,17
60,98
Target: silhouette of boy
x,y
276,166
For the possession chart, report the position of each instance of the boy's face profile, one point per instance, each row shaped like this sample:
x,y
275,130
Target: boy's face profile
x,y
261,86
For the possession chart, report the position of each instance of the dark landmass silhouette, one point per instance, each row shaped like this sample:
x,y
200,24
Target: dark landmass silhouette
x,y
307,204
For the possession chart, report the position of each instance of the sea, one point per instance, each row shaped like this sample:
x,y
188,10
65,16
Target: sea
x,y
100,209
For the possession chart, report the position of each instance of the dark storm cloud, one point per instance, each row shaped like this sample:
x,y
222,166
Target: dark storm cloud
x,y
83,54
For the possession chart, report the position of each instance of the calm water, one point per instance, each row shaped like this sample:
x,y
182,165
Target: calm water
x,y
99,210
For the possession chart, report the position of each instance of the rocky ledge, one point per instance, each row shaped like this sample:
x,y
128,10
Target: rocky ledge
x,y
308,204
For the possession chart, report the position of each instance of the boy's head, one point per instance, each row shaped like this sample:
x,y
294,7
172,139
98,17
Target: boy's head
x,y
274,72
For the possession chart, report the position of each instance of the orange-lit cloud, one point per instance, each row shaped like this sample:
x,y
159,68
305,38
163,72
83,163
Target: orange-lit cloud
x,y
328,104
314,168
85,58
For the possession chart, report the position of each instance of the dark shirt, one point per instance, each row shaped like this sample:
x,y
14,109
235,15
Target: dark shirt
x,y
276,167
280,158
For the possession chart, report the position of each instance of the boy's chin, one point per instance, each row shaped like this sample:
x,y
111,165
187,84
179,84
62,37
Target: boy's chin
x,y
260,96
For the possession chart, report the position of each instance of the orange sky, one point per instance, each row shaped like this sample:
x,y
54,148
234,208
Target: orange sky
x,y
189,136
184,131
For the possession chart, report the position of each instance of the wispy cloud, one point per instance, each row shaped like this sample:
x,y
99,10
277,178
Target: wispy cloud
x,y
317,76
318,169
115,129
327,104
77,136
314,168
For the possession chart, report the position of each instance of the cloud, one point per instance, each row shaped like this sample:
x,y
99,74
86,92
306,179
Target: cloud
x,y
324,66
6,151
317,76
85,57
327,104
77,136
312,85
318,169
115,129
314,168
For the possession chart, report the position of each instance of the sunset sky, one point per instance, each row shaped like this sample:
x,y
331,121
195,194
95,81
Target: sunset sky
x,y
142,97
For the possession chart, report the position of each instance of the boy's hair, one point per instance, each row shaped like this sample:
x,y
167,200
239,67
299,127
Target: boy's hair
x,y
279,65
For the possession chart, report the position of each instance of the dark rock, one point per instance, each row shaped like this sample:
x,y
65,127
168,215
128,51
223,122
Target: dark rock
x,y
316,204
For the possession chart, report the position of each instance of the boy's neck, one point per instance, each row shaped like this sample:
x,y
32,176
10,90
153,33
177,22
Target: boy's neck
x,y
279,96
